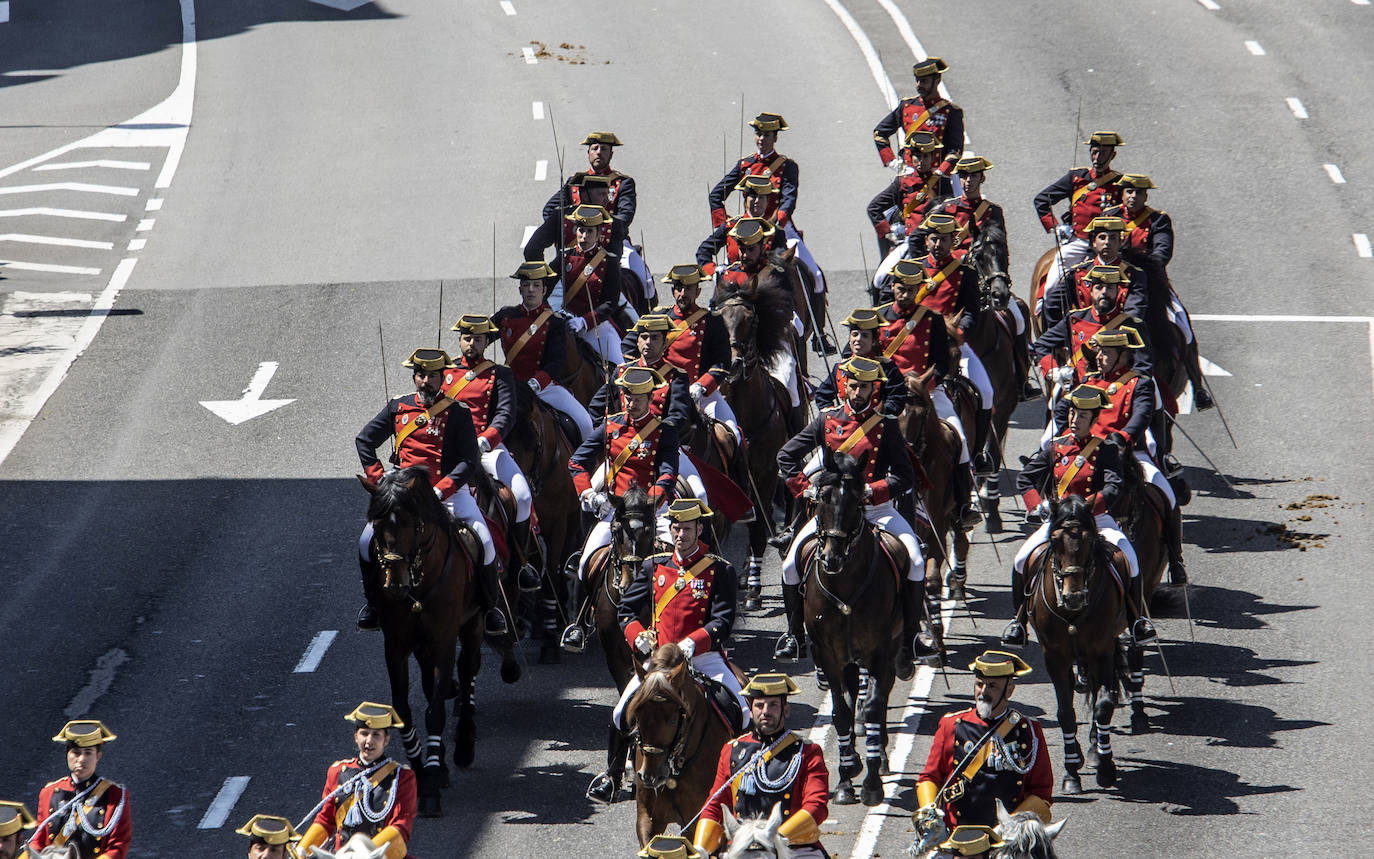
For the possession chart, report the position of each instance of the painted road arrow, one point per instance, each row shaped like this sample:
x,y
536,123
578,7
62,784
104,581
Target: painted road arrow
x,y
342,5
250,405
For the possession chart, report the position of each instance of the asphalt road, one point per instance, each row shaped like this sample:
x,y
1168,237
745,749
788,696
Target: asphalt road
x,y
166,571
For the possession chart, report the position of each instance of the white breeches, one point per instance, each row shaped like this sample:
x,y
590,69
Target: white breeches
x,y
944,407
632,261
1106,526
971,366
562,399
714,406
804,257
498,463
710,663
1015,308
1178,314
605,341
784,369
886,517
1071,253
885,267
1156,477
463,507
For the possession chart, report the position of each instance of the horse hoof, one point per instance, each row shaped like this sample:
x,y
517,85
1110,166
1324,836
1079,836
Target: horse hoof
x,y
1140,723
1090,756
883,768
753,603
510,671
872,796
844,794
993,523
549,654
464,750
1106,772
430,806
1072,786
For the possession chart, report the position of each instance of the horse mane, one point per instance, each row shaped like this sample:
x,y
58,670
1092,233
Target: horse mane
x,y
772,300
1024,836
637,503
1072,510
658,680
395,495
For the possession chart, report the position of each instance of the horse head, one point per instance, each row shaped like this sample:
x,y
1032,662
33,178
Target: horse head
x,y
657,717
404,512
839,510
1073,545
736,311
755,836
632,530
66,851
989,255
1024,836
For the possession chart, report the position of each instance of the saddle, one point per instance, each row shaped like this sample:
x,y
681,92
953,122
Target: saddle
x,y
723,701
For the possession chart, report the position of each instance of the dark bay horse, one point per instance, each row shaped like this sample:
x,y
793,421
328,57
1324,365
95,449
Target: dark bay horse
x,y
583,374
609,572
1078,609
1143,508
854,620
677,737
936,446
427,606
758,319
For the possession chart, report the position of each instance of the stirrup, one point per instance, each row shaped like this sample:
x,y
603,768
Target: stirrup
x,y
602,789
1143,632
788,648
1015,634
528,579
574,639
1202,399
495,623
368,620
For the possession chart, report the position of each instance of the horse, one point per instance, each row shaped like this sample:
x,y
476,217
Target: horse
x,y
935,445
853,618
583,373
755,837
357,847
758,319
677,736
52,851
1025,836
426,609
1004,353
1078,610
609,572
1143,509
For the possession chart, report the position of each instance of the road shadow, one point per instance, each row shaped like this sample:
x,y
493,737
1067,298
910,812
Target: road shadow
x,y
1222,663
1229,608
1186,789
1224,723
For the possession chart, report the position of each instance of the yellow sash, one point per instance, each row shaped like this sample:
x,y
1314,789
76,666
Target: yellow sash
x,y
630,448
972,222
687,579
925,114
89,806
341,812
430,414
686,323
1074,468
587,271
975,764
863,430
772,169
924,195
469,376
1110,324
907,327
1108,177
942,274
524,339
1134,223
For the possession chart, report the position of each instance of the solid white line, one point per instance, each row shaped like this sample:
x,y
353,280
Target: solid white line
x,y
537,109
19,265
507,7
541,170
223,803
530,58
145,225
71,186
55,240
1362,245
904,29
1296,106
1209,5
1240,317
529,231
103,162
867,841
875,65
32,73
29,408
137,244
153,205
63,213
52,296
1335,173
1254,48
4,11
315,652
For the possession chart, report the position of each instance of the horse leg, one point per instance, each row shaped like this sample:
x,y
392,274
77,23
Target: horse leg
x,y
875,723
431,776
469,663
398,672
549,625
510,668
1135,684
1062,677
1102,722
842,717
990,499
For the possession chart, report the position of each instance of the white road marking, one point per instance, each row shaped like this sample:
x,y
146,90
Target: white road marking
x,y
1270,317
867,842
224,801
530,58
529,231
1362,245
1296,106
904,29
251,404
1210,369
4,12
875,65
315,652
102,162
541,170
153,205
1335,173
1254,48
101,679
84,187
342,5
81,297
55,240
145,225
537,109
137,244
1360,2
1209,5
507,7
63,213
32,73
20,265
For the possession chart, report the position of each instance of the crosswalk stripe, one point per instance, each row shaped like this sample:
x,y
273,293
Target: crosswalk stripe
x,y
84,187
55,240
63,213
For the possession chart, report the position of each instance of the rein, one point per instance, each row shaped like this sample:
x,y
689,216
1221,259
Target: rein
x,y
415,574
676,753
1051,559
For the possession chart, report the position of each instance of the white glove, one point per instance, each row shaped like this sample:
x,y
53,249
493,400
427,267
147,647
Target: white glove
x,y
604,507
644,642
483,444
896,165
688,647
809,493
438,493
697,391
534,385
1042,510
1064,233
868,491
1063,376
588,499
898,233
577,324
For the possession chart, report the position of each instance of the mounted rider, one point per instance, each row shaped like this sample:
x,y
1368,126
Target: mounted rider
x,y
760,198
899,209
1089,190
367,793
82,809
1072,290
926,111
752,235
269,837
591,280
600,186
536,340
970,209
15,821
1105,308
986,753
1077,463
688,595
865,326
766,767
859,429
426,430
779,169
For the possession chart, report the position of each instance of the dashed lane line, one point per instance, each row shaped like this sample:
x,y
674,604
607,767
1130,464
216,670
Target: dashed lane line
x,y
49,268
107,163
530,58
25,238
145,225
1209,5
153,205
137,244
507,7
4,12
1335,173
541,170
101,679
1362,245
63,213
1296,106
310,660
537,111
1255,48
84,187
224,802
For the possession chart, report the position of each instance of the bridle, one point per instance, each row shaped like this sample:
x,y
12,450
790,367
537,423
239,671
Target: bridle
x,y
615,560
846,537
1088,571
412,563
747,350
675,754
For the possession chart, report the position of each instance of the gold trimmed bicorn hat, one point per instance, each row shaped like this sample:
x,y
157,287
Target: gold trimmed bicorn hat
x,y
1088,398
429,360
929,66
971,840
684,273
940,222
535,269
1139,181
84,733
751,231
639,380
769,684
606,137
757,184
14,816
1105,138
999,663
769,122
862,369
1121,338
972,164
378,717
864,318
652,322
475,323
269,829
688,510
588,215
921,141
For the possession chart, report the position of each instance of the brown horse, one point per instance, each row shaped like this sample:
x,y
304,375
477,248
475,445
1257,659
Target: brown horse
x,y
1143,510
758,319
936,446
426,607
1078,610
582,373
853,618
609,572
677,737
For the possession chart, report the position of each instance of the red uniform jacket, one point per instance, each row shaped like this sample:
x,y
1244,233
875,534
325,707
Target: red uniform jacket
x,y
809,789
1088,194
1131,405
1080,326
999,778
944,120
445,444
972,218
915,347
700,350
650,463
488,390
596,299
112,805
701,608
888,471
334,816
539,342
955,297
1095,476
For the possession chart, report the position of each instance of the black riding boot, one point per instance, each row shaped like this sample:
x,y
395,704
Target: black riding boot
x,y
913,596
1141,629
372,585
792,644
574,638
982,433
1173,538
489,585
1015,633
1201,397
522,535
969,517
